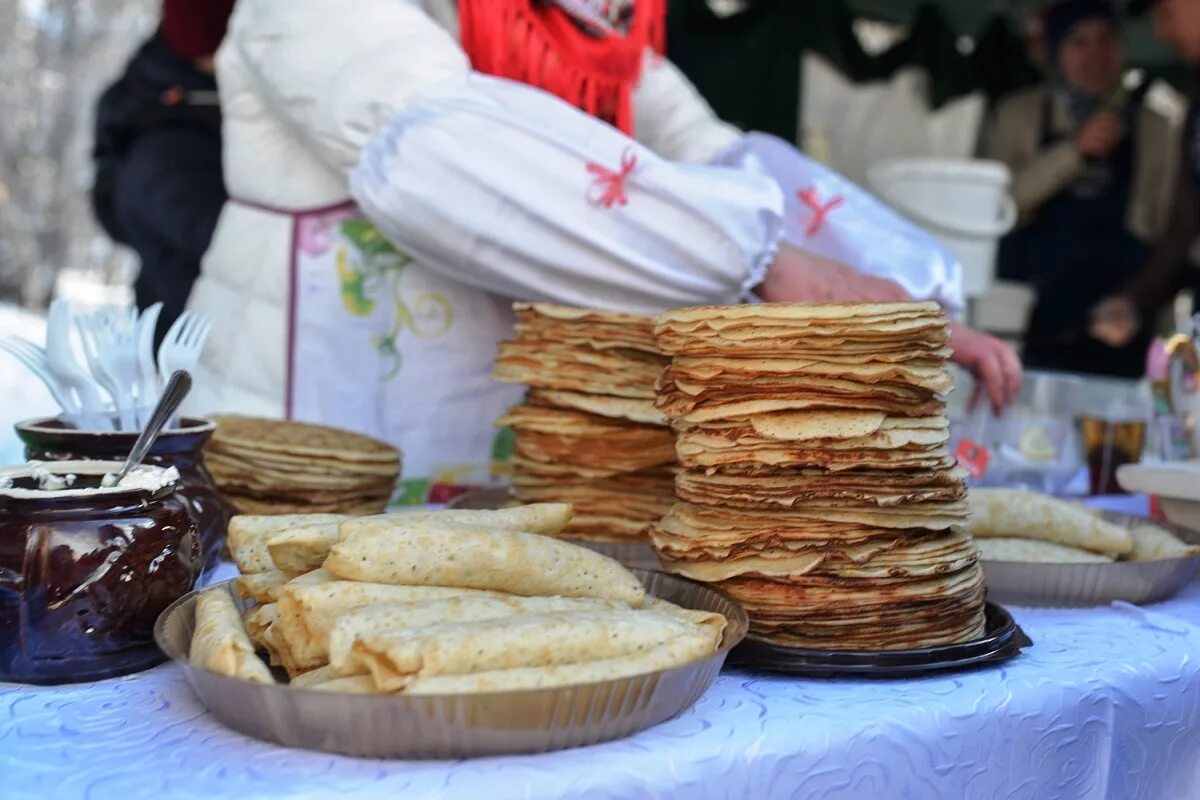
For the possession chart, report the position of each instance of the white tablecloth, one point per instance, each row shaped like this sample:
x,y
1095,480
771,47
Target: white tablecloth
x,y
1106,704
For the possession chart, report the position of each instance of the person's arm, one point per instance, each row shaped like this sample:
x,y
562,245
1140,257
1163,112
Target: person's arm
x,y
493,183
830,217
1167,269
505,187
1117,319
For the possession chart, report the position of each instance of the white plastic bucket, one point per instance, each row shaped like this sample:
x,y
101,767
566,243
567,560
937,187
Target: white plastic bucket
x,y
964,203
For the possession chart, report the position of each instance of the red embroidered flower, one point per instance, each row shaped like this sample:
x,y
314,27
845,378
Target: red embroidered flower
x,y
819,212
608,189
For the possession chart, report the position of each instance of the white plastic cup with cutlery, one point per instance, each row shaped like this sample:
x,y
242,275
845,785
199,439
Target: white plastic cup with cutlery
x,y
120,379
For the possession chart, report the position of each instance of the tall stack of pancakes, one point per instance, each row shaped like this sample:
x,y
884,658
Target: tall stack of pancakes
x,y
268,466
817,486
588,432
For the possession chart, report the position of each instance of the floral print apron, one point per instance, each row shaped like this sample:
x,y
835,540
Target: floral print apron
x,y
380,345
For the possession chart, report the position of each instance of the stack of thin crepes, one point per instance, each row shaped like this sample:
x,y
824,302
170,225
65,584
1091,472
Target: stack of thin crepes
x,y
267,466
588,433
817,487
437,603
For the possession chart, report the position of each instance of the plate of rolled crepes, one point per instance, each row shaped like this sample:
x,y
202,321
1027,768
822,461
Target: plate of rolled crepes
x,y
1043,551
442,634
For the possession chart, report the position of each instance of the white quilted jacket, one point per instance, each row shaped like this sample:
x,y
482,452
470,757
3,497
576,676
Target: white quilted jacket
x,y
307,86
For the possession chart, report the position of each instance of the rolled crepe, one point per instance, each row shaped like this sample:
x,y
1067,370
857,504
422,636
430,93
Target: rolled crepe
x,y
446,554
677,652
307,611
395,659
1030,550
301,549
257,620
710,621
386,618
248,534
219,641
263,627
261,587
543,518
304,547
266,587
315,676
355,684
1011,513
1152,543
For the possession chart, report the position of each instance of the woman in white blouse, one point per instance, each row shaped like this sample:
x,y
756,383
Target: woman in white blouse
x,y
504,149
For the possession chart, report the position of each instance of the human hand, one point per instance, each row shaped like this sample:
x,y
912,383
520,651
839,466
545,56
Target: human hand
x,y
797,276
1100,135
993,364
1115,321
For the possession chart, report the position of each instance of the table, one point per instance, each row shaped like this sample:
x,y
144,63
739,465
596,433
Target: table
x,y
1105,705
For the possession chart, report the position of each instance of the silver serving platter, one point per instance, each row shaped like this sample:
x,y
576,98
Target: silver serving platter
x,y
456,726
1026,583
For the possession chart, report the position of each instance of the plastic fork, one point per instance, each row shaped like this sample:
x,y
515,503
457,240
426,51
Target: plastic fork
x,y
149,384
34,358
183,345
117,343
65,366
98,351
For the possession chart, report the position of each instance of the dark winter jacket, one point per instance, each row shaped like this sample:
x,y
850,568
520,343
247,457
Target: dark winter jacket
x,y
159,187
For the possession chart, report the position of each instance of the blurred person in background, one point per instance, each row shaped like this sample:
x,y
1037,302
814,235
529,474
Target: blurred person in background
x,y
1094,170
1170,268
159,187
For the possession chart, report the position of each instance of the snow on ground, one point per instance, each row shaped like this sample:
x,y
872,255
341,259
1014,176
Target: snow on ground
x,y
22,394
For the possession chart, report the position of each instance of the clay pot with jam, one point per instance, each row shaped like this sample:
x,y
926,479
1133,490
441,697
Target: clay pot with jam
x,y
85,570
181,447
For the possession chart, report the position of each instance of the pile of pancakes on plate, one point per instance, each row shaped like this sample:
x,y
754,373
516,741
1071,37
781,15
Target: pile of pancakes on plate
x,y
817,487
588,432
268,466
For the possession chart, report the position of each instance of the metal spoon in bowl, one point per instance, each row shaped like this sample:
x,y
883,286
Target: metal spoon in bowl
x,y
179,384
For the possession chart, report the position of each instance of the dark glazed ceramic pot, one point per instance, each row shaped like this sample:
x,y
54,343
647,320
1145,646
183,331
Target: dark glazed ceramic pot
x,y
182,448
85,571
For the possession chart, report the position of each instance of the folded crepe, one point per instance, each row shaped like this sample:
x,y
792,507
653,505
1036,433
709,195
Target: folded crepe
x,y
248,534
307,612
1031,550
667,655
219,641
261,587
435,553
304,547
394,660
386,618
1151,543
315,676
1012,513
262,625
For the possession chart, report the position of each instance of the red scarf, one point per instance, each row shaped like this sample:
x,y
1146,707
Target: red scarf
x,y
539,44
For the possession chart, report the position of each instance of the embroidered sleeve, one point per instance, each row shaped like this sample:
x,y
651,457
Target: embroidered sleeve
x,y
509,189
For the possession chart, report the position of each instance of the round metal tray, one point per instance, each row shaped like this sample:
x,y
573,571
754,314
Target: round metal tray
x,y
456,726
1025,583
